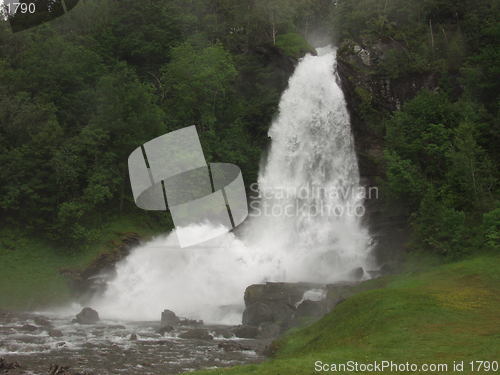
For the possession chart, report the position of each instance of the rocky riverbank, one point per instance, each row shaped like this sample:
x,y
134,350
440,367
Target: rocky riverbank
x,y
49,344
84,344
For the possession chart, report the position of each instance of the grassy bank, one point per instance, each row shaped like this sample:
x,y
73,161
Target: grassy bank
x,y
30,268
447,313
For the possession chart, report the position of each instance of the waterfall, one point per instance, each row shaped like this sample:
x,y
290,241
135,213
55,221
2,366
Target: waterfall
x,y
305,223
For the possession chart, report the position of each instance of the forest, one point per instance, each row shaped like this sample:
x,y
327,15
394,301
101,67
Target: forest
x,y
78,94
419,89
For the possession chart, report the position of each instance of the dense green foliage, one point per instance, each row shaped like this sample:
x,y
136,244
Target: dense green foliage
x,y
78,94
441,147
444,314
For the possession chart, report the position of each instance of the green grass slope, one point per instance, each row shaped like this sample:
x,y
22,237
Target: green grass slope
x,y
448,313
30,268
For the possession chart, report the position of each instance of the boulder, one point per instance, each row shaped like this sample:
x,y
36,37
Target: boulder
x,y
356,274
190,322
309,309
196,334
223,332
55,333
133,337
257,313
232,346
64,370
168,318
165,329
388,269
338,292
268,330
87,316
42,321
28,328
283,293
246,331
59,370
4,365
274,302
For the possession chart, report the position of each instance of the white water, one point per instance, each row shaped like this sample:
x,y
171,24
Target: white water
x,y
311,145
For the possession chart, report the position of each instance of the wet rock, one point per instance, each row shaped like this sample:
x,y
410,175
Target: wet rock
x,y
257,313
196,334
356,274
116,326
190,322
165,329
64,370
271,349
246,331
286,293
231,346
274,302
87,316
222,332
55,333
4,365
338,292
310,309
168,318
58,370
28,328
268,330
133,337
91,280
42,321
388,269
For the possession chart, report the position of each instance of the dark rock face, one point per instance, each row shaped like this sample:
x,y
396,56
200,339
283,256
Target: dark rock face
x,y
268,330
257,313
196,334
273,303
364,87
246,331
272,308
93,278
168,318
87,316
310,309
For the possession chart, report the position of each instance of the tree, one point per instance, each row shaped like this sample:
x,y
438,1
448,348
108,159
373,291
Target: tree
x,y
197,84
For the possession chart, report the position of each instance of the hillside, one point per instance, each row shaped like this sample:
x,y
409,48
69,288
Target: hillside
x,y
444,314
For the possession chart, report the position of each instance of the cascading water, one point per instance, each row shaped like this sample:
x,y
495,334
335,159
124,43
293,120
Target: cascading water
x,y
306,225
